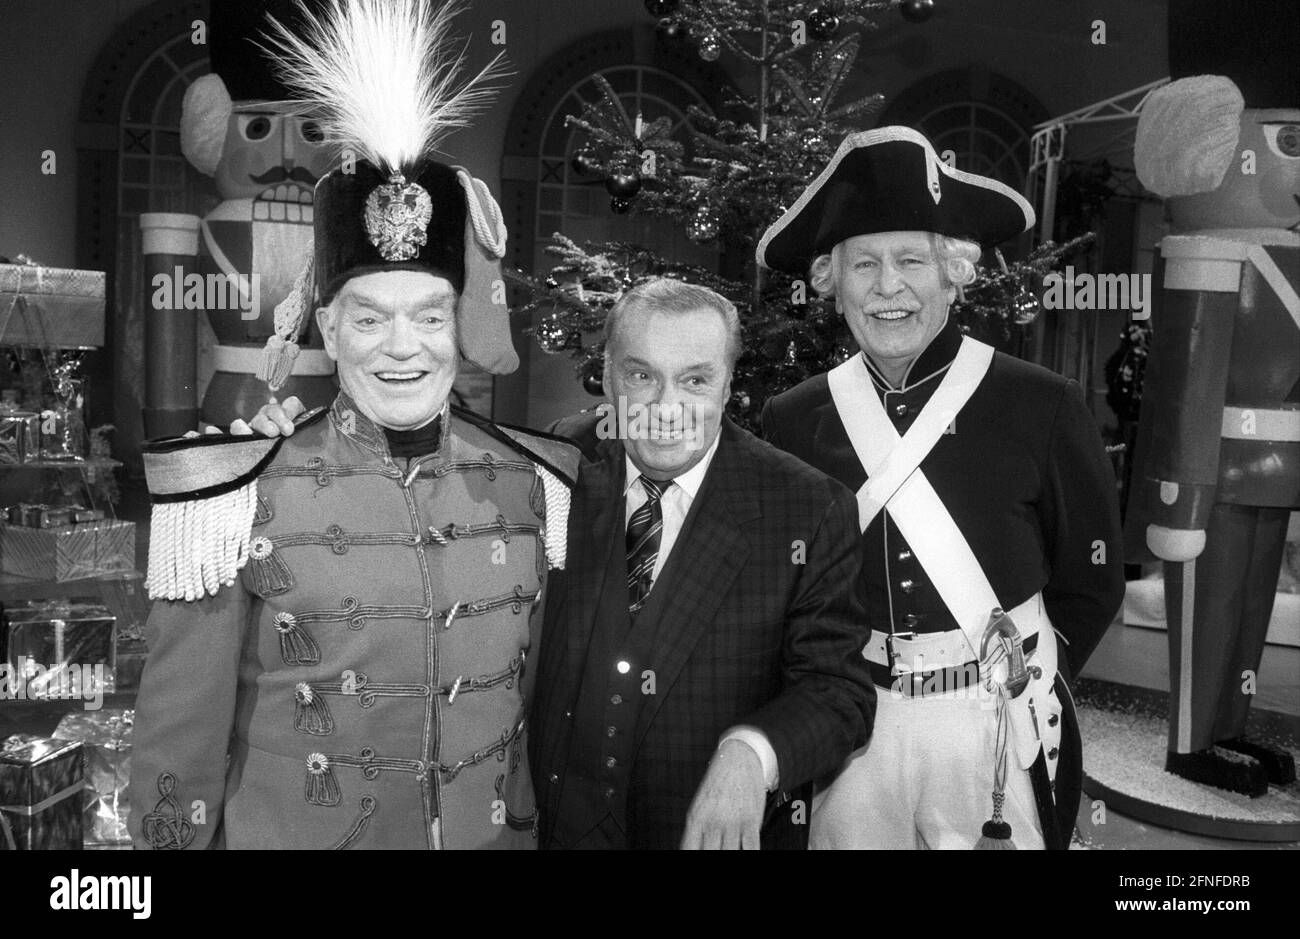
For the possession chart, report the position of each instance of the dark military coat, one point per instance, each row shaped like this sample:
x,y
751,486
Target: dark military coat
x,y
1024,474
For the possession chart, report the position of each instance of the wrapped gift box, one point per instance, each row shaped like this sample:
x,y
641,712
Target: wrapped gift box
x,y
68,552
40,790
57,307
132,653
105,738
59,649
57,554
20,433
114,545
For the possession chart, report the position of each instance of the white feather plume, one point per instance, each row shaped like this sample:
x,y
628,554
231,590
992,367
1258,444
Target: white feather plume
x,y
384,76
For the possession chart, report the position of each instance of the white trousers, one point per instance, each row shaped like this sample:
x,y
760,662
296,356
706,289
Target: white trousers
x,y
924,780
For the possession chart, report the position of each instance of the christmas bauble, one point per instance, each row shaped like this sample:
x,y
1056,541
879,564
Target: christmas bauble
x,y
916,11
703,226
669,29
620,205
823,23
594,385
710,47
584,161
552,336
623,183
1025,307
661,7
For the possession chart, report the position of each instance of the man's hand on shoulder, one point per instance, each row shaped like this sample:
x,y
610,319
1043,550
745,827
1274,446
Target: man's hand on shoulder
x,y
273,419
727,811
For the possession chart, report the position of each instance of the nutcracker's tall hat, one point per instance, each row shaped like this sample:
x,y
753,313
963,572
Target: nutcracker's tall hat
x,y
1223,59
384,78
890,179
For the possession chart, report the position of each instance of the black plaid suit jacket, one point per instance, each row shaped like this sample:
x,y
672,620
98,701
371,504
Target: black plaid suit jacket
x,y
764,625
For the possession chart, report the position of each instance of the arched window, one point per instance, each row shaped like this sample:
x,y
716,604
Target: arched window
x,y
578,205
541,193
128,162
984,118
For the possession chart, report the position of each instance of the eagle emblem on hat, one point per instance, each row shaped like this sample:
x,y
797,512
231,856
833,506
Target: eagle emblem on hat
x,y
396,216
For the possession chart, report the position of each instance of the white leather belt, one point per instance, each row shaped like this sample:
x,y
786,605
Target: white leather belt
x,y
919,652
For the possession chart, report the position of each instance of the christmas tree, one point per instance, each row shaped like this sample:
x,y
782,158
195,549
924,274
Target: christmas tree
x,y
748,166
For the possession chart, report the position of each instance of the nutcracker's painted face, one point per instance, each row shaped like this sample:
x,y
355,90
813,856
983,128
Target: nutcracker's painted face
x,y
1261,188
892,289
272,156
393,335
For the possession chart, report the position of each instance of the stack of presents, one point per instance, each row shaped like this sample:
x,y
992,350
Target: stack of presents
x,y
68,789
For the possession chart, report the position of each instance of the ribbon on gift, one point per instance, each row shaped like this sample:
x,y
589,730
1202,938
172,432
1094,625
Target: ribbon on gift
x,y
27,811
11,278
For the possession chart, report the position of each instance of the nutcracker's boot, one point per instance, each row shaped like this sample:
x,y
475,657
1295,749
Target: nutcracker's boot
x,y
1278,763
1221,768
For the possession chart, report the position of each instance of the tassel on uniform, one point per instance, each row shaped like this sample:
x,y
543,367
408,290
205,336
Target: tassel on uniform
x,y
271,576
297,647
322,788
281,349
555,529
278,356
200,545
310,713
996,833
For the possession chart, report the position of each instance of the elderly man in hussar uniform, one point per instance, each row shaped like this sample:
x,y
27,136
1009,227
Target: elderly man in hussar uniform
x,y
343,617
986,501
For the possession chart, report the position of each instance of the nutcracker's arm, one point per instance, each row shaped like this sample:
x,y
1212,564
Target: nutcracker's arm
x,y
1177,454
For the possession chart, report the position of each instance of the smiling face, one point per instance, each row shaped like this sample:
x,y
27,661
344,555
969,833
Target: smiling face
x,y
892,290
393,335
676,367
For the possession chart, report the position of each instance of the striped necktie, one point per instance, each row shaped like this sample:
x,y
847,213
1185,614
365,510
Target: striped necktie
x,y
643,531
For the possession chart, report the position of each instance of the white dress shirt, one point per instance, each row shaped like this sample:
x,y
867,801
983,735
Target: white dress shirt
x,y
675,504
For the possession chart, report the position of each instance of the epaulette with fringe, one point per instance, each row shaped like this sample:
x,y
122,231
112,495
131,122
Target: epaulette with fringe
x,y
556,461
204,495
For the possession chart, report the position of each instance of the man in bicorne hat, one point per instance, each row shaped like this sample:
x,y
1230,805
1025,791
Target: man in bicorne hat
x,y
343,620
986,502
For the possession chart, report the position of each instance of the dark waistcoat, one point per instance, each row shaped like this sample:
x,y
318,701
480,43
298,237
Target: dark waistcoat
x,y
610,698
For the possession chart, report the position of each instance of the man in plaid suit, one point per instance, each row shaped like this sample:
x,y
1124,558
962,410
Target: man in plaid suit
x,y
702,659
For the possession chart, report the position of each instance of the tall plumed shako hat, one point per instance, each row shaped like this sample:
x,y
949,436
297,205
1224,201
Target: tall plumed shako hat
x,y
890,179
382,81
384,78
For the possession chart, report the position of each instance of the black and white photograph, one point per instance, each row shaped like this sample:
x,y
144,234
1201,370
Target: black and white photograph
x,y
651,425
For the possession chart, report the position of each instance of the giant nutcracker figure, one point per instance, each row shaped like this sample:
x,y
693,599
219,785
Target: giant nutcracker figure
x,y
1218,451
265,156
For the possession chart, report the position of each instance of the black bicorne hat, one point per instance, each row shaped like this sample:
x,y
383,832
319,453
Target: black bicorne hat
x,y
891,179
